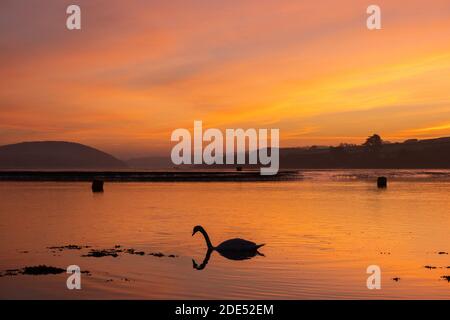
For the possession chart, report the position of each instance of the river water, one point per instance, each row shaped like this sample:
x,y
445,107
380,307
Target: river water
x,y
321,232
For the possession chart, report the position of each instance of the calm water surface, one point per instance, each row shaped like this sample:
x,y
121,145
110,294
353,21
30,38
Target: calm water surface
x,y
321,233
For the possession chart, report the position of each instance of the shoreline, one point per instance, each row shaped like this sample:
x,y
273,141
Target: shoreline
x,y
146,176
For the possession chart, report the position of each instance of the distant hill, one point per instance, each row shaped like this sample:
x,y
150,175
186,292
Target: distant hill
x,y
55,155
410,154
58,155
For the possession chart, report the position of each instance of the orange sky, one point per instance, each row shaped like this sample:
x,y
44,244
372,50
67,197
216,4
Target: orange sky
x,y
140,69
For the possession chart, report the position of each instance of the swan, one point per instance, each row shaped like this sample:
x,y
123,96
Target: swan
x,y
231,247
232,255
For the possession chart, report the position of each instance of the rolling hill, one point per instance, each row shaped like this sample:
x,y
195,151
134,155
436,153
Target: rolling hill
x,y
56,155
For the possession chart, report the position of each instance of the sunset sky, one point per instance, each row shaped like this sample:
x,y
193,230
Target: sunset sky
x,y
140,69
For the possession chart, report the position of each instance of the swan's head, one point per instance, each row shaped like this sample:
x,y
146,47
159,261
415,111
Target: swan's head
x,y
197,229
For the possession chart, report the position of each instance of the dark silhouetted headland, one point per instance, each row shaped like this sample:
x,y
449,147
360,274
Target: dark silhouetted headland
x,y
54,155
373,154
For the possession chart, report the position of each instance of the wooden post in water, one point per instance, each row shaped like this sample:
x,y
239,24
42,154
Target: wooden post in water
x,y
382,182
97,185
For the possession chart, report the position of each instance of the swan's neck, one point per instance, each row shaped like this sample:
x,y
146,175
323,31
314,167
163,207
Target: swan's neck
x,y
208,242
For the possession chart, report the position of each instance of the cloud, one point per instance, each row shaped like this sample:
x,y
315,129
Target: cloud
x,y
139,69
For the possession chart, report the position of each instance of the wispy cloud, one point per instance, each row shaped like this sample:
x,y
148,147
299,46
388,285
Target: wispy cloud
x,y
139,69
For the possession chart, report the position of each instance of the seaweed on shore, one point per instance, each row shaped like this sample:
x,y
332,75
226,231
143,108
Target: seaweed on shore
x,y
160,255
42,270
98,253
446,278
121,279
156,254
430,267
36,271
68,247
132,251
113,252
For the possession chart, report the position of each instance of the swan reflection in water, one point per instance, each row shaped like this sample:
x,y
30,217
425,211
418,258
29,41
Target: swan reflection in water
x,y
233,249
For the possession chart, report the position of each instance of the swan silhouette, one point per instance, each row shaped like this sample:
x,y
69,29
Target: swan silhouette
x,y
234,249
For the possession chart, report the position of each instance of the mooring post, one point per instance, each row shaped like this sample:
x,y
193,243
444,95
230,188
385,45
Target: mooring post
x,y
382,182
97,185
